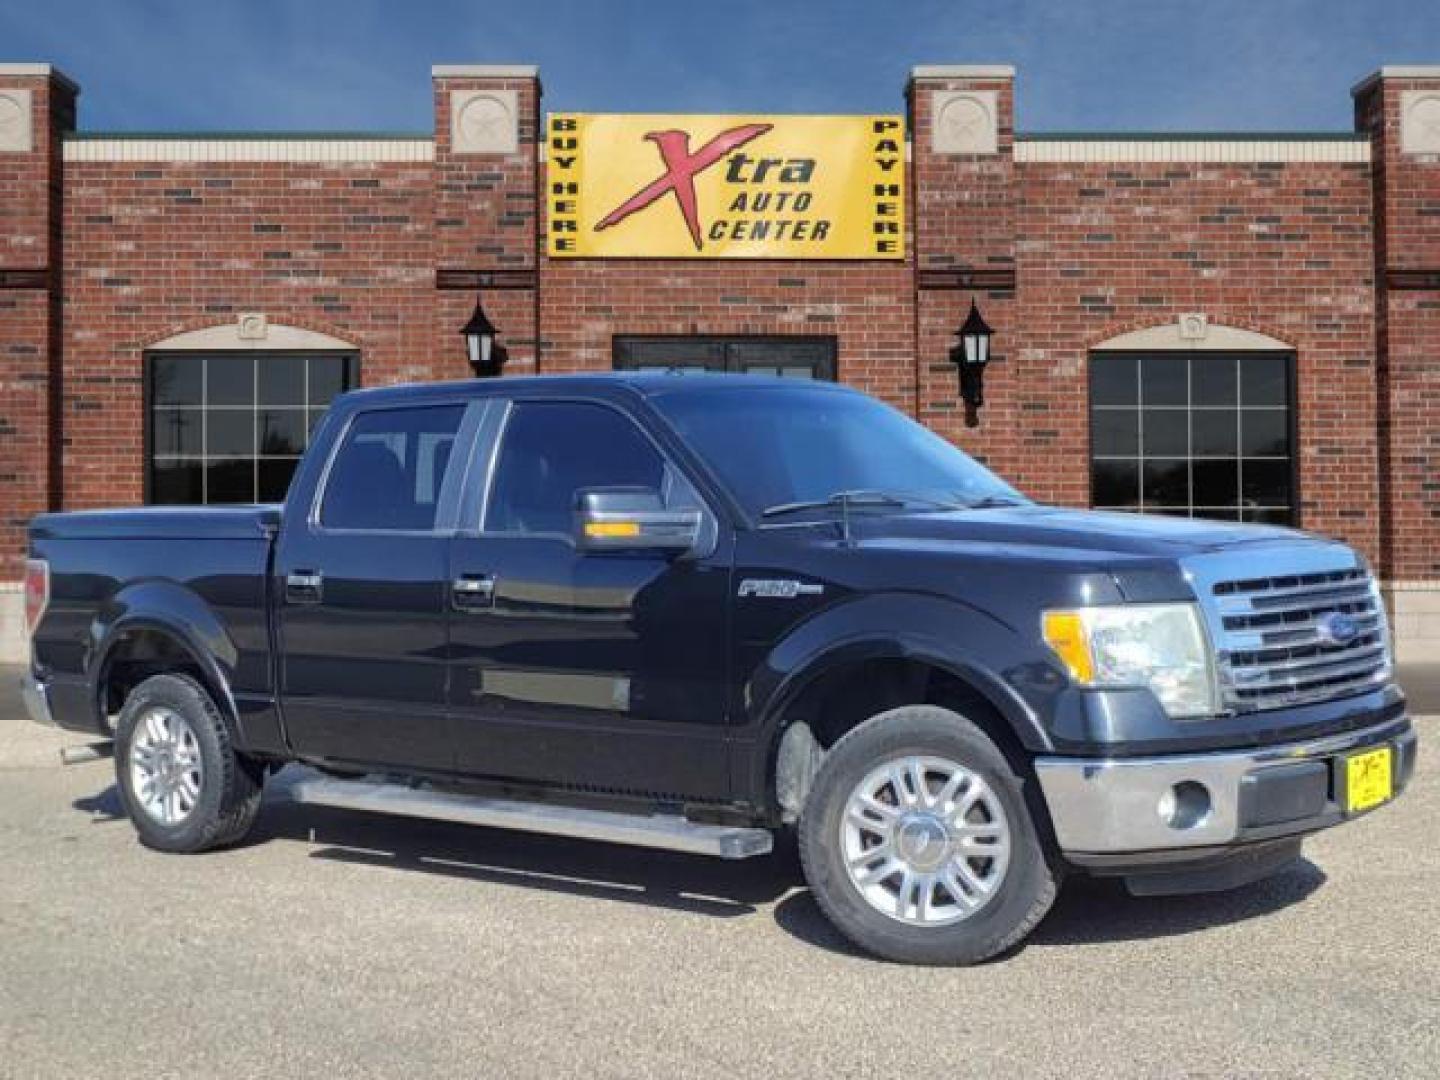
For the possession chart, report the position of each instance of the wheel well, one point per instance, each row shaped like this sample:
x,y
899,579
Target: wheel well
x,y
139,654
841,700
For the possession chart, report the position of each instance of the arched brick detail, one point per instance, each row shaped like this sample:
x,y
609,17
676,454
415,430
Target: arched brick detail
x,y
345,337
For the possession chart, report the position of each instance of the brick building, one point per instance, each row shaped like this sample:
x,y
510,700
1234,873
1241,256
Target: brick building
x,y
1236,326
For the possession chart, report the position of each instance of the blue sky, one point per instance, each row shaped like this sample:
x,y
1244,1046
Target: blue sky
x,y
364,64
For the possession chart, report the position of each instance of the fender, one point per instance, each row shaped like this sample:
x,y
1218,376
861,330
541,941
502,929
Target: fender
x,y
182,616
973,645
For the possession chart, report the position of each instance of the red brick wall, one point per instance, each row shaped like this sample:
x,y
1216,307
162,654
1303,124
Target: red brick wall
x,y
157,248
1101,249
1281,249
30,195
1407,210
866,306
486,218
1060,256
965,232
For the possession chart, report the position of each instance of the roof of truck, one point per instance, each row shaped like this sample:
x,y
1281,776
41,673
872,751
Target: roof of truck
x,y
643,383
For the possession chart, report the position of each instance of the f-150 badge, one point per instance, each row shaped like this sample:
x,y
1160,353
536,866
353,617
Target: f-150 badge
x,y
779,588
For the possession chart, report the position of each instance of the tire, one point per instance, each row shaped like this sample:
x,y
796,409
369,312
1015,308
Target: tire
x,y
968,913
170,728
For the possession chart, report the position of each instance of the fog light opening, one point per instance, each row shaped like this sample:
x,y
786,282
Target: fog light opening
x,y
1185,805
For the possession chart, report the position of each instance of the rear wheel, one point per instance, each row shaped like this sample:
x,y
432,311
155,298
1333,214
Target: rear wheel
x,y
917,842
180,778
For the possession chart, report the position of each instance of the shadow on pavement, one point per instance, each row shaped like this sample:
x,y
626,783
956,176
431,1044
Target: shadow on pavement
x,y
1092,911
663,879
103,806
1088,911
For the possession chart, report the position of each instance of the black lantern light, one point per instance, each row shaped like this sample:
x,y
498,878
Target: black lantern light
x,y
486,355
970,356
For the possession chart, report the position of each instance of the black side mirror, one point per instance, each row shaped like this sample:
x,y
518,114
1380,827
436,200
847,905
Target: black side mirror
x,y
632,519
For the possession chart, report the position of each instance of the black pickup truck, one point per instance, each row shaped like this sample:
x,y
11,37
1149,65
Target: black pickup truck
x,y
689,612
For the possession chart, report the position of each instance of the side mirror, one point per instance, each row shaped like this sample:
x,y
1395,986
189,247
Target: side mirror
x,y
632,519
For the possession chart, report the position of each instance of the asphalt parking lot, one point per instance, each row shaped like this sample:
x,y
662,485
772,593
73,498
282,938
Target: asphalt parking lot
x,y
344,945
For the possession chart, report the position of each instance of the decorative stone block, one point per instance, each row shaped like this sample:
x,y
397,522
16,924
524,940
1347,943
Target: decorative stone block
x,y
1420,122
484,122
16,128
1194,326
252,326
965,122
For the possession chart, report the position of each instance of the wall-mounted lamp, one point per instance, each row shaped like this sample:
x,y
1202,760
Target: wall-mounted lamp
x,y
971,355
486,355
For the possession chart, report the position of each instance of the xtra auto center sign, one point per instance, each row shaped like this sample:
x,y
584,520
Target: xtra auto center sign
x,y
730,187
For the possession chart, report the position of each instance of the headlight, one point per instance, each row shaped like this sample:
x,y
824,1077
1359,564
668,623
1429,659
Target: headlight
x,y
1158,646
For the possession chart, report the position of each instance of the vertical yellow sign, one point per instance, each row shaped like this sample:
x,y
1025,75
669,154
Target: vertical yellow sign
x,y
725,187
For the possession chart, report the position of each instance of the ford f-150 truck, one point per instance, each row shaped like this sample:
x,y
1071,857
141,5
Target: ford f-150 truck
x,y
692,611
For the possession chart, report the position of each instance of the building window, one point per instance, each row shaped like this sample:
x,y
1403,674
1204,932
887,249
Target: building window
x,y
230,428
788,357
1203,434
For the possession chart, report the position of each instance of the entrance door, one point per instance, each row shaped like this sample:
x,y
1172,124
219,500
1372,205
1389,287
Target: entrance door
x,y
788,357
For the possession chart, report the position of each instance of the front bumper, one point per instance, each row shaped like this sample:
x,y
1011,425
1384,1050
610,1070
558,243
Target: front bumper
x,y
1101,808
37,700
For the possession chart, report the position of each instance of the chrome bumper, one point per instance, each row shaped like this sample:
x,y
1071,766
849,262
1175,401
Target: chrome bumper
x,y
1104,806
37,700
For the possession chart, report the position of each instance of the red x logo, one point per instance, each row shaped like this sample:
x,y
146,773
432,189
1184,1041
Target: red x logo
x,y
681,168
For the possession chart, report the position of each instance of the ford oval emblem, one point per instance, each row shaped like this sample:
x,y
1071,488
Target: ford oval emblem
x,y
1337,628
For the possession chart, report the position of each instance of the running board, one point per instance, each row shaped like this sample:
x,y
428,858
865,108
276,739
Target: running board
x,y
669,832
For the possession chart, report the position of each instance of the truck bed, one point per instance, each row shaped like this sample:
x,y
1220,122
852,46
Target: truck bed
x,y
208,568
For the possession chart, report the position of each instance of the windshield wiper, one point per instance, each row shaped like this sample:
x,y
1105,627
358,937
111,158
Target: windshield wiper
x,y
859,499
993,502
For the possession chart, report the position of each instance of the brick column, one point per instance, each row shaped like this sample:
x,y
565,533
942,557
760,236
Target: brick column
x,y
963,207
37,105
486,206
1400,108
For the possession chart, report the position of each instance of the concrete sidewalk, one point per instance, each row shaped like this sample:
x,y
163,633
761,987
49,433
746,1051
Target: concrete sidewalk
x,y
1421,683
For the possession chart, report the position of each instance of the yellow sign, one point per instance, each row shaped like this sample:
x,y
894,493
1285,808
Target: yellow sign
x,y
727,187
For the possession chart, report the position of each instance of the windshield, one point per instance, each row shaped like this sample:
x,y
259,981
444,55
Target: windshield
x,y
778,447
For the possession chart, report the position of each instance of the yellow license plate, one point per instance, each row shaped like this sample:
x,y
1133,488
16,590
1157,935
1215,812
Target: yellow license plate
x,y
1368,779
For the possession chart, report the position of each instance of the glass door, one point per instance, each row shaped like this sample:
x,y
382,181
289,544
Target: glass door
x,y
786,357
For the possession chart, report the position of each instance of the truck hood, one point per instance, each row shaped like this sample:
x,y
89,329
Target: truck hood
x,y
1066,534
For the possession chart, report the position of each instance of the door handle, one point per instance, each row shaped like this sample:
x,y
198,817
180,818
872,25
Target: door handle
x,y
303,587
473,592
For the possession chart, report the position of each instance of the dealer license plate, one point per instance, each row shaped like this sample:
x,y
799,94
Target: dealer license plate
x,y
1368,779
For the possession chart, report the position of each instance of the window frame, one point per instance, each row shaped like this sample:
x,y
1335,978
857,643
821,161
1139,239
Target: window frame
x,y
826,370
448,497
491,443
147,379
1292,427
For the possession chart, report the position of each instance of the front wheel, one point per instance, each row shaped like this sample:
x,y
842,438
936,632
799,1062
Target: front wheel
x,y
917,842
180,778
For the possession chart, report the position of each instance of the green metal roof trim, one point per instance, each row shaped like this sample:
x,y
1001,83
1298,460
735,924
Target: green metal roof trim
x,y
1191,136
251,136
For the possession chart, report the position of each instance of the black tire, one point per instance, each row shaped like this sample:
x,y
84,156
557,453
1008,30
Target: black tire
x,y
231,786
1020,900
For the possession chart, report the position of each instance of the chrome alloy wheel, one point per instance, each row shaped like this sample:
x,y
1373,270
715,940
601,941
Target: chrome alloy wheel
x,y
925,840
166,772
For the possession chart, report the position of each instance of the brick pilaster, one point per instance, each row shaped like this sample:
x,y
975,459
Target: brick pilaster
x,y
37,105
486,204
1400,109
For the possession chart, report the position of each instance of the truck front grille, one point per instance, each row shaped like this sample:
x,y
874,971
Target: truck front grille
x,y
1299,638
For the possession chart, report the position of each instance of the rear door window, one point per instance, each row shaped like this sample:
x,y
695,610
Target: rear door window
x,y
389,469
